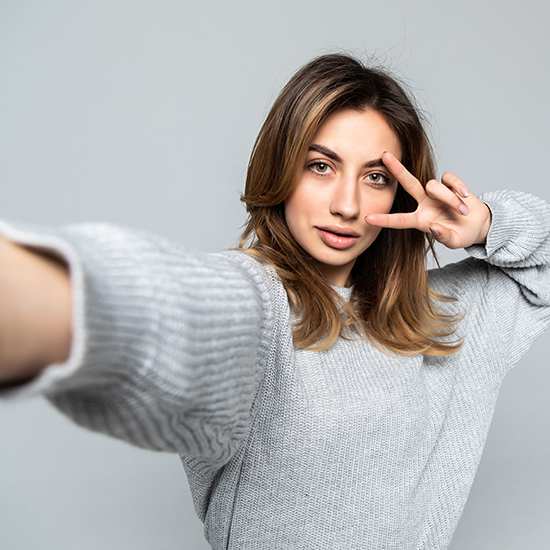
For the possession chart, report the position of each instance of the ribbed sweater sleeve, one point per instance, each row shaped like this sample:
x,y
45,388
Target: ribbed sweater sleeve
x,y
166,342
506,282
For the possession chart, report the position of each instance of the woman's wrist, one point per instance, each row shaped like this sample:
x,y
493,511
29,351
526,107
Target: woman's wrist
x,y
482,239
35,312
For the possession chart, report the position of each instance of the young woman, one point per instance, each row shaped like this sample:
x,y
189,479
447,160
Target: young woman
x,y
323,389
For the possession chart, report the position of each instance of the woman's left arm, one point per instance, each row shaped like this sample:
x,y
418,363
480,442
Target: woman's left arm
x,y
505,285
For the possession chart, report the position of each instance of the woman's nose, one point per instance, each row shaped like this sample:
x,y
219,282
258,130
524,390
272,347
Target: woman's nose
x,y
345,200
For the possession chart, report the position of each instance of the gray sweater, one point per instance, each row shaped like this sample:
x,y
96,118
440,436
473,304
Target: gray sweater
x,y
349,448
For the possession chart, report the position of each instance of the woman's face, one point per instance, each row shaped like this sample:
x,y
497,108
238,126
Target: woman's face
x,y
343,180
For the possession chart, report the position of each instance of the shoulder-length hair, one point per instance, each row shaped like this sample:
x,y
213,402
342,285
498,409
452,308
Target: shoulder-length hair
x,y
391,303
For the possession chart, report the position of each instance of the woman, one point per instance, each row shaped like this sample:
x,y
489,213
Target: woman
x,y
323,389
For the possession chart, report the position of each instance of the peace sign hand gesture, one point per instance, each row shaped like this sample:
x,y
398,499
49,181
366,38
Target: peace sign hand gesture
x,y
454,216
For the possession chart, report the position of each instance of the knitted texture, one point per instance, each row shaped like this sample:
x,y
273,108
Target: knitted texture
x,y
349,448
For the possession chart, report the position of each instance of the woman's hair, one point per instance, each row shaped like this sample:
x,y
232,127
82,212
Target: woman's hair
x,y
391,303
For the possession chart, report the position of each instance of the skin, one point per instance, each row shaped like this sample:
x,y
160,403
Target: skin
x,y
35,317
341,191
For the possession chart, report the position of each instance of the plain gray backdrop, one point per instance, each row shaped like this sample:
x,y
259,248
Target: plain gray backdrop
x,y
144,113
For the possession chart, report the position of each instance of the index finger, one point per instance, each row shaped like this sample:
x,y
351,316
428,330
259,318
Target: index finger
x,y
411,185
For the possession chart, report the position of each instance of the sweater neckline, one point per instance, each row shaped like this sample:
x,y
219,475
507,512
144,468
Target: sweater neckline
x,y
344,292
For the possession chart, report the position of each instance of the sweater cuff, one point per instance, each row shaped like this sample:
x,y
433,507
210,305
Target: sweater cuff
x,y
518,236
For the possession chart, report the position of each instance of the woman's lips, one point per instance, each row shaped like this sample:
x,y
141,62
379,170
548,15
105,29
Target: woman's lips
x,y
340,238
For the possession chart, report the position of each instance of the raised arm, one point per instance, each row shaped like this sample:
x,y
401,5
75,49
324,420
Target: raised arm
x,y
507,294
35,313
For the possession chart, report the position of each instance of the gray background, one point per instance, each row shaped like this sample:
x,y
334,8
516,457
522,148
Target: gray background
x,y
144,113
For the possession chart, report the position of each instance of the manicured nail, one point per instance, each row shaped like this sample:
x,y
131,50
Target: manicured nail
x,y
435,232
463,209
464,191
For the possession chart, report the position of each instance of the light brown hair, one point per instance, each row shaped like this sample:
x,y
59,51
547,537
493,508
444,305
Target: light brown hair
x,y
391,303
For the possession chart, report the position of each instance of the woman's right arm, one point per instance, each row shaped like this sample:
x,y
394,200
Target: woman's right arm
x,y
165,343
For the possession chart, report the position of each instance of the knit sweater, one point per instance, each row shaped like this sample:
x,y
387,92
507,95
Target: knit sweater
x,y
353,447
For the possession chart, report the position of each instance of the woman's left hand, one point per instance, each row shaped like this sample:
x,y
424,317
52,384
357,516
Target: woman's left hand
x,y
454,216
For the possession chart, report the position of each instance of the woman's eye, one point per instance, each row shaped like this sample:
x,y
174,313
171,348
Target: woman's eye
x,y
378,179
320,167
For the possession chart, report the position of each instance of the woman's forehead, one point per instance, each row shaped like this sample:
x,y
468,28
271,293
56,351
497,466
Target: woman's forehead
x,y
353,132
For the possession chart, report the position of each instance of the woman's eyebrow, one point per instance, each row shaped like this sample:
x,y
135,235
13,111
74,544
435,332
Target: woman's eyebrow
x,y
325,151
376,163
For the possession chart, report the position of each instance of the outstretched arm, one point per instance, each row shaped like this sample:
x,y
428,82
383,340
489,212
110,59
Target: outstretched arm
x,y
35,315
166,344
455,217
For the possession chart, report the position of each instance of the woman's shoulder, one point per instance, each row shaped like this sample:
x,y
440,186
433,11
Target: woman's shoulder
x,y
264,277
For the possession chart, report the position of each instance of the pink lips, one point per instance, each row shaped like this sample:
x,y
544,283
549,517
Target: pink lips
x,y
338,237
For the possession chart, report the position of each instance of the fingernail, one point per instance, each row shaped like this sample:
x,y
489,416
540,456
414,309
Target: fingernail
x,y
463,209
435,232
464,191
